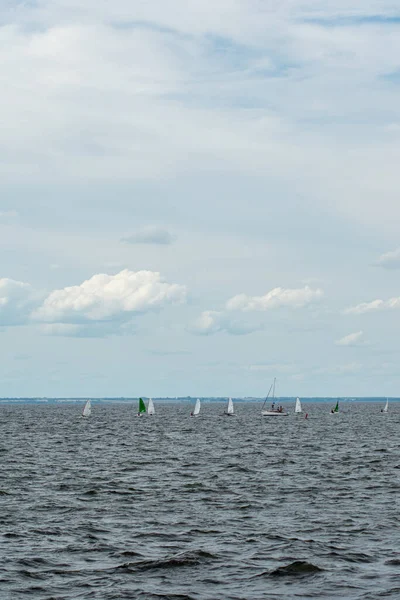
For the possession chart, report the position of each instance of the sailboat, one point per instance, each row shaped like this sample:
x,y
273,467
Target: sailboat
x,y
273,412
229,409
386,407
142,407
196,411
150,407
336,409
87,409
297,408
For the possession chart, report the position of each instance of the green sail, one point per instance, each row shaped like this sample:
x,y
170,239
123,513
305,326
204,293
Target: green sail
x,y
142,406
337,406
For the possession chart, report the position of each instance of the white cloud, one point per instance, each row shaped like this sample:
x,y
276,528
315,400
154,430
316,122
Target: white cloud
x,y
212,321
61,329
276,298
208,322
346,369
166,104
101,306
88,330
110,298
8,214
298,377
272,368
150,235
353,339
374,305
207,94
389,260
16,301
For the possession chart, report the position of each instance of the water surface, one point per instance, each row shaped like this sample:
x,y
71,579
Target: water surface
x,y
240,508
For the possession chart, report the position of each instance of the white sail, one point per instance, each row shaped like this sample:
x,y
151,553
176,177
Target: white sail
x,y
87,409
386,406
229,408
298,406
196,408
150,407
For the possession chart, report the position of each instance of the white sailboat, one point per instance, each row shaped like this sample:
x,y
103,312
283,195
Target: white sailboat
x,y
150,407
196,411
87,410
273,411
297,408
229,409
386,407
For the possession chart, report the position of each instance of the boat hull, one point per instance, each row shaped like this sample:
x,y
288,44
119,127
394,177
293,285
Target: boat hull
x,y
273,413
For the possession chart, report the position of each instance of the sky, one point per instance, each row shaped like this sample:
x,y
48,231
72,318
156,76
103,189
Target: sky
x,y
197,197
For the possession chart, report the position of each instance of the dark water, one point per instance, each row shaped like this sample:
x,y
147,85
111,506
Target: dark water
x,y
210,508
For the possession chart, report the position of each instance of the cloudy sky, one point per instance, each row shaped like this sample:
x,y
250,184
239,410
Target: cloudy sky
x,y
198,196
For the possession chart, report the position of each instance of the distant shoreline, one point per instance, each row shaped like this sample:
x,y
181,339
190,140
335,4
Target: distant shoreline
x,y
191,399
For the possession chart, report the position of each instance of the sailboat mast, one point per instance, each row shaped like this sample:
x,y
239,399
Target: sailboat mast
x,y
269,391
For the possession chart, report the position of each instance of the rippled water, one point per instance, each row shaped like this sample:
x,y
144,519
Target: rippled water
x,y
211,508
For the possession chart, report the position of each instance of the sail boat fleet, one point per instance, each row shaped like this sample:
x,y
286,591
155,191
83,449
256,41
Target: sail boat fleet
x,y
275,410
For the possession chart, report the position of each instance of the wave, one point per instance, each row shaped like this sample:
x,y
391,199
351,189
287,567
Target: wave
x,y
147,596
353,557
183,559
295,569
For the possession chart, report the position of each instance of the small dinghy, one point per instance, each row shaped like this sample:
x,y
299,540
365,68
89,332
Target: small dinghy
x,y
336,409
196,411
150,407
87,410
229,412
142,407
386,407
297,408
